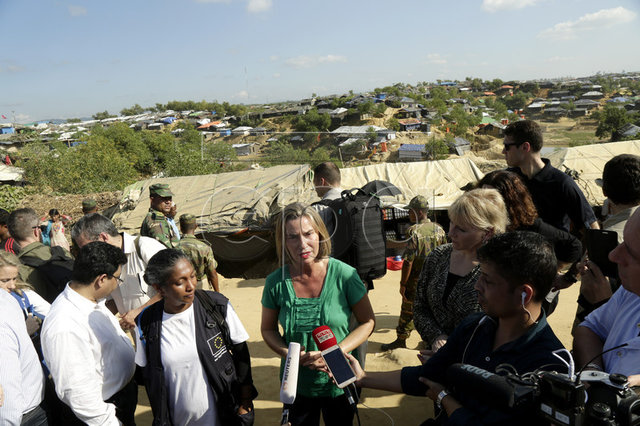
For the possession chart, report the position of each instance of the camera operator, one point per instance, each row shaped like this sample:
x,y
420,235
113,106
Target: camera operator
x,y
617,321
517,270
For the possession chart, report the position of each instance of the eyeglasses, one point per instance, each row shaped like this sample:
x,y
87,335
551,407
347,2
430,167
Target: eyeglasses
x,y
509,145
120,280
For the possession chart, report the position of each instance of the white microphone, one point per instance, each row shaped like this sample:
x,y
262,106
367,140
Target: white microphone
x,y
290,376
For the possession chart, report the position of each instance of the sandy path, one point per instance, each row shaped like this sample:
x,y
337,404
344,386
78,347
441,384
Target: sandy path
x,y
405,410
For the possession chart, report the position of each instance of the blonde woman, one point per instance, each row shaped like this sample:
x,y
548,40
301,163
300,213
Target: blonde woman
x,y
309,290
445,293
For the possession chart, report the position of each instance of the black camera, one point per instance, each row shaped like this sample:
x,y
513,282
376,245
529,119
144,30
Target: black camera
x,y
555,397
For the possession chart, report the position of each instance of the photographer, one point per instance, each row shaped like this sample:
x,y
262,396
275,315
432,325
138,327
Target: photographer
x,y
517,270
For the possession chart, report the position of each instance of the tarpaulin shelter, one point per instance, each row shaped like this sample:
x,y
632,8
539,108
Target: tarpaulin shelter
x,y
588,161
234,210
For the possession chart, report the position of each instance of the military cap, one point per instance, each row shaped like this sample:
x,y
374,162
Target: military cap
x,y
88,203
160,189
418,202
187,219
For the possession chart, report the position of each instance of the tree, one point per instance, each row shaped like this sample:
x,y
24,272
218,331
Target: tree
x,y
610,121
372,135
134,110
436,149
102,115
73,120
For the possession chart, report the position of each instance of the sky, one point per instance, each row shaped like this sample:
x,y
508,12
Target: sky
x,y
71,59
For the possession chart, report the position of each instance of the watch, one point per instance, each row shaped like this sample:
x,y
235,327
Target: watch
x,y
441,396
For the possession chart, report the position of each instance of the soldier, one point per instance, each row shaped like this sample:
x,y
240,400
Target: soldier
x,y
423,237
89,206
155,224
199,251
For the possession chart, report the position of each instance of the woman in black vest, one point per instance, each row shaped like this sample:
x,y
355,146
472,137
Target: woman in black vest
x,y
192,350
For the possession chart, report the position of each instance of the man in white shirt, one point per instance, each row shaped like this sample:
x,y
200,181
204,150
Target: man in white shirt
x,y
21,375
133,295
90,358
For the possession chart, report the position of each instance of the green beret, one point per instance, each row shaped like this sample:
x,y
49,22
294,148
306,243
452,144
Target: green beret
x,y
88,203
160,189
418,202
187,220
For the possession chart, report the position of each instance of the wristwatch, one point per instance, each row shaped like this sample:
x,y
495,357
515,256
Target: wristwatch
x,y
441,396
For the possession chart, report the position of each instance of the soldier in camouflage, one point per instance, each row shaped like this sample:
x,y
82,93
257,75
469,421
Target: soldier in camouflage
x,y
422,238
199,251
155,224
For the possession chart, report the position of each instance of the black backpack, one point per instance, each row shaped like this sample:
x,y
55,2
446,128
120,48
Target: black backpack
x,y
55,272
358,237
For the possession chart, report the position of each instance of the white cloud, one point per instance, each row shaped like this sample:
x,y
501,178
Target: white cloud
x,y
276,75
243,94
435,58
312,61
273,58
497,5
10,69
258,6
75,10
605,18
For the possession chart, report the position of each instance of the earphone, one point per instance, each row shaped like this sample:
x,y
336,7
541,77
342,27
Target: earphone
x,y
524,296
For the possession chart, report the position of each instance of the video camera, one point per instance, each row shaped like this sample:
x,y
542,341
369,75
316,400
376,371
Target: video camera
x,y
555,397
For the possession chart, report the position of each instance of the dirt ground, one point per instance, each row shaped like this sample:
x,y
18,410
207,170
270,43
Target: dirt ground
x,y
375,406
68,204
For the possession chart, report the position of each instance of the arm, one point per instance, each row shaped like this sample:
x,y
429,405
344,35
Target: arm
x,y
595,287
77,383
587,345
387,380
271,334
363,313
212,275
128,320
11,379
406,271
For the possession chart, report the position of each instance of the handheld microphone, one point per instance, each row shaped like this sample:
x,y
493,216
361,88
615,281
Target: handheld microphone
x,y
289,386
336,361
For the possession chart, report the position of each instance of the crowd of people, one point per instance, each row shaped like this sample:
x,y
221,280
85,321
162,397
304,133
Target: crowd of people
x,y
79,333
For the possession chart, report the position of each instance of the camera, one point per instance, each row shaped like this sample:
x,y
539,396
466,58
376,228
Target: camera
x,y
593,398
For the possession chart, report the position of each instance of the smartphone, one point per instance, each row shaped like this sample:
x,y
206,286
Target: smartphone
x,y
339,366
599,245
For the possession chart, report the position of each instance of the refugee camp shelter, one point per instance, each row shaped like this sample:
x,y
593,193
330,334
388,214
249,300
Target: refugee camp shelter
x,y
588,161
235,210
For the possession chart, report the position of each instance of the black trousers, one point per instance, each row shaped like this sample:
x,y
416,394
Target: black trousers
x,y
335,411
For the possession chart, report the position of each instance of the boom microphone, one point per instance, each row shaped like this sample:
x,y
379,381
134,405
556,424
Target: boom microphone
x,y
289,385
490,388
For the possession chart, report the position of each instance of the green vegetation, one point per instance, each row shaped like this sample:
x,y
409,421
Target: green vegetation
x,y
10,196
610,121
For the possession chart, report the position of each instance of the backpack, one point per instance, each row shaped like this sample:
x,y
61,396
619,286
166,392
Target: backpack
x,y
56,271
358,237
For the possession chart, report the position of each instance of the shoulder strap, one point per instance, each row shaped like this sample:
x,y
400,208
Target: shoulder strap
x,y
217,310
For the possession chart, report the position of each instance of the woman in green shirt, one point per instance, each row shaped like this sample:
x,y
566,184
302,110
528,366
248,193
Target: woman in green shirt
x,y
309,290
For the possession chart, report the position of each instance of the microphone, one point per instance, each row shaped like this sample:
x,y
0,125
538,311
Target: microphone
x,y
289,386
487,387
336,361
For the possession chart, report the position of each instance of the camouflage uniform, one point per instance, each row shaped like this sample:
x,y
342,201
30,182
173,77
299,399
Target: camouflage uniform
x,y
201,256
155,225
423,238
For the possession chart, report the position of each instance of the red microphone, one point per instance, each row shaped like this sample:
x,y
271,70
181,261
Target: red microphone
x,y
324,337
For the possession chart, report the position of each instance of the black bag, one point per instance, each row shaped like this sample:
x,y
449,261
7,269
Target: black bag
x,y
358,237
56,271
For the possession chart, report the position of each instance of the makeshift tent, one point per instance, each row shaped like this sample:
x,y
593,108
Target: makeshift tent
x,y
234,210
588,161
10,174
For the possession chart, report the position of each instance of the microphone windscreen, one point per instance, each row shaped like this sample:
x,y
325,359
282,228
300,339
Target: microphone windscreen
x,y
324,337
487,387
289,386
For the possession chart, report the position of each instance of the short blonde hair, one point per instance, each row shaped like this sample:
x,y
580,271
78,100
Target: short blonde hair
x,y
296,211
11,260
481,208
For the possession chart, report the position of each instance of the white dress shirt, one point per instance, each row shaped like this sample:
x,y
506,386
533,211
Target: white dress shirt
x,y
89,356
21,374
134,291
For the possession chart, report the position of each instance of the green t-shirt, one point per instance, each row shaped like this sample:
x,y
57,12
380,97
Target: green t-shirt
x,y
300,316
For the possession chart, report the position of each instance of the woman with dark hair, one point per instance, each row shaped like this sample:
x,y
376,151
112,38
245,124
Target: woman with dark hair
x,y
192,349
523,215
309,290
